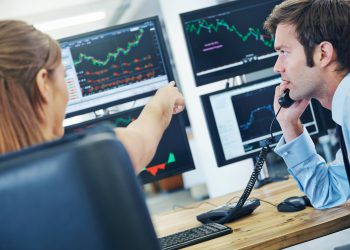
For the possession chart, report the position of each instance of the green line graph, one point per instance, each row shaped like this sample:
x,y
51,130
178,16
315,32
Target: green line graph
x,y
111,55
221,23
123,122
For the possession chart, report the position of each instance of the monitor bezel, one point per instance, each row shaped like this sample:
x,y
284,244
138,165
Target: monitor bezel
x,y
179,118
226,73
163,50
214,133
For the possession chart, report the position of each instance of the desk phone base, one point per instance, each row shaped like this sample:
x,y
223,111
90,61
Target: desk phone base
x,y
220,212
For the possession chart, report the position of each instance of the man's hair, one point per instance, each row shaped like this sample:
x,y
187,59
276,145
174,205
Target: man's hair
x,y
316,21
24,50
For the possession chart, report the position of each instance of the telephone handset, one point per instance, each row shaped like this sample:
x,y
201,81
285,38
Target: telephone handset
x,y
284,100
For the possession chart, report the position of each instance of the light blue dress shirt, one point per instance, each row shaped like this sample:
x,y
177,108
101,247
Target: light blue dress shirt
x,y
325,185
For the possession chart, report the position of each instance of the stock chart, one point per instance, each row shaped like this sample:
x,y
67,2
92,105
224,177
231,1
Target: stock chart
x,y
117,59
227,38
172,156
255,118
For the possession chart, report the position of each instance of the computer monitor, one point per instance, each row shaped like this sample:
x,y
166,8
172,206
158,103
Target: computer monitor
x,y
114,65
239,120
173,155
227,40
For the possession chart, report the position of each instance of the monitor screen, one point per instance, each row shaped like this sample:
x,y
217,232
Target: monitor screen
x,y
114,65
173,155
228,40
239,120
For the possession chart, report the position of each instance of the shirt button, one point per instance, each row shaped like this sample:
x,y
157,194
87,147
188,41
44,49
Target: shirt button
x,y
285,153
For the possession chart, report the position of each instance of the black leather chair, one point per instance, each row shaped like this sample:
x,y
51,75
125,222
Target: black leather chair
x,y
79,192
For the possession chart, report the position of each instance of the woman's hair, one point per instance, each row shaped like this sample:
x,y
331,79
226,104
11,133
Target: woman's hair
x,y
24,50
316,21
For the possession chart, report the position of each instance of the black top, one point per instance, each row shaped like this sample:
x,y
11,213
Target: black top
x,y
344,151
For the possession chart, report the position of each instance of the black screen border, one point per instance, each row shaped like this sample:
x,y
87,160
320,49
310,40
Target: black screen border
x,y
226,73
214,134
163,50
213,131
179,118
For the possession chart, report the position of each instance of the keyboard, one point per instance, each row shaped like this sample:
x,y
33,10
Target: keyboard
x,y
193,236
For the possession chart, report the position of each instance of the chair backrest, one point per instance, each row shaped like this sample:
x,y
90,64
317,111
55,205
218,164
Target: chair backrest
x,y
75,193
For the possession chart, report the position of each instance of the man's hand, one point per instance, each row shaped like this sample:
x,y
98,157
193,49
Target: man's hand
x,y
289,118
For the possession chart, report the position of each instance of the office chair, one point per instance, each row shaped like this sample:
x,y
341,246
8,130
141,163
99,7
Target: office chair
x,y
79,192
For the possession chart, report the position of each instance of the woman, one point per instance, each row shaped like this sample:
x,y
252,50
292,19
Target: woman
x,y
33,97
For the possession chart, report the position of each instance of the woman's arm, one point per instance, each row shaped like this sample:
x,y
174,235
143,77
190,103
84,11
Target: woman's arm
x,y
142,136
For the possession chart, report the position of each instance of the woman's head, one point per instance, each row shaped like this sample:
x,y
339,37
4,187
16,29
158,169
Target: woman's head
x,y
33,94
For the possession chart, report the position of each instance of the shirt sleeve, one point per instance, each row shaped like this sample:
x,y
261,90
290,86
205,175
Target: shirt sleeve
x,y
325,185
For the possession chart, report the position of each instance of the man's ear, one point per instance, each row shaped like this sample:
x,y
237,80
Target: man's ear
x,y
42,83
326,53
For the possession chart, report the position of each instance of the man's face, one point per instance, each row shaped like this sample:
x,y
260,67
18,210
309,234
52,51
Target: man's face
x,y
302,80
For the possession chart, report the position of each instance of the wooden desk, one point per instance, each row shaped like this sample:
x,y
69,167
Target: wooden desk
x,y
266,228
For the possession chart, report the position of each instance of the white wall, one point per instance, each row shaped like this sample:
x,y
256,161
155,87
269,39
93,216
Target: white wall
x,y
219,180
42,11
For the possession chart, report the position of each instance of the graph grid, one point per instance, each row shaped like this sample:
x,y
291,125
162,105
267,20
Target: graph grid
x,y
117,59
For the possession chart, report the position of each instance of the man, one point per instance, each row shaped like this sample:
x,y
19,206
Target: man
x,y
312,38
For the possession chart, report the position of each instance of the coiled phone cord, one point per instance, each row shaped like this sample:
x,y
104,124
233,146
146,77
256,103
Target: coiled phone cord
x,y
254,176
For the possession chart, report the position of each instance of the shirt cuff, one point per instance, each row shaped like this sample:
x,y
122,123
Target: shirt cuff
x,y
297,150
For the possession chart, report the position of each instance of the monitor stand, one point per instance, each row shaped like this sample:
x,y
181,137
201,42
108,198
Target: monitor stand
x,y
260,183
264,177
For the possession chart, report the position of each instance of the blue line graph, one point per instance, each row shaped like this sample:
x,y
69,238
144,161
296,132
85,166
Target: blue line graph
x,y
249,123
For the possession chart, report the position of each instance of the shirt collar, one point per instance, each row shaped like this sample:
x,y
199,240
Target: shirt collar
x,y
339,97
